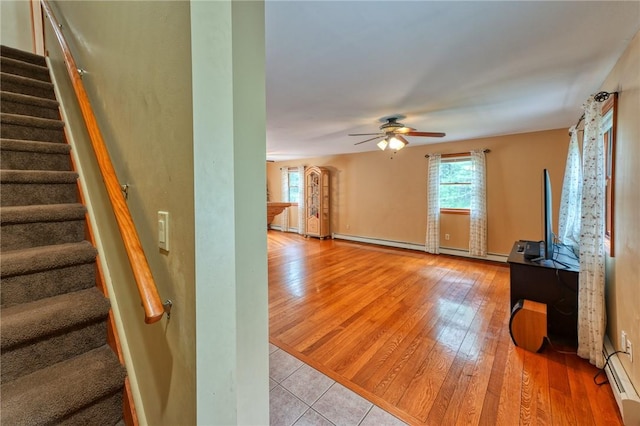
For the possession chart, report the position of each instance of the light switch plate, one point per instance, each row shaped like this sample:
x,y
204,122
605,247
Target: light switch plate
x,y
163,230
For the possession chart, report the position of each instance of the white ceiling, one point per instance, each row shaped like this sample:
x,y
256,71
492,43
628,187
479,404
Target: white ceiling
x,y
468,68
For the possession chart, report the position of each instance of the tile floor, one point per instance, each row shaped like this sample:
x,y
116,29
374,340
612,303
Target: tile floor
x,y
302,396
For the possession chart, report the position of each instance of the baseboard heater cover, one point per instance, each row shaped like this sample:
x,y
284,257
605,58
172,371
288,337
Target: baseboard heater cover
x,y
279,228
623,390
418,247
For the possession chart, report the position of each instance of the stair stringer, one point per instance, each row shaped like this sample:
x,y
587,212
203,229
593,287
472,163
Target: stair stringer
x,y
74,131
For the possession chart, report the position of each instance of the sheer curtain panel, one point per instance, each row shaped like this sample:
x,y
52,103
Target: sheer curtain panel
x,y
591,303
433,205
569,220
284,173
478,214
301,199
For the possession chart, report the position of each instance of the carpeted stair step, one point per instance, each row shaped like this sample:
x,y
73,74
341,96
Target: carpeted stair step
x,y
14,126
32,155
26,86
40,272
24,69
41,225
56,367
38,334
17,103
21,55
83,390
30,187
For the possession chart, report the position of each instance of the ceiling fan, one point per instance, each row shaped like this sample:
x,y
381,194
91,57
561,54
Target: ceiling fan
x,y
393,134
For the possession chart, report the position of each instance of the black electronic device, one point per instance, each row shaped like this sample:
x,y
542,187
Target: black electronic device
x,y
534,250
548,249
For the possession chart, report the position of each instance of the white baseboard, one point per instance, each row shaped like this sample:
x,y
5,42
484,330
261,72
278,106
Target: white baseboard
x,y
279,228
623,390
419,247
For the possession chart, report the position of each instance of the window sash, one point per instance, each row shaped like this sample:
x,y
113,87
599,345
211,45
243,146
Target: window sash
x,y
455,210
294,185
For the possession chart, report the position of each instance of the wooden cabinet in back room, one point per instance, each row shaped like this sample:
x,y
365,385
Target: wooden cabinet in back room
x,y
316,181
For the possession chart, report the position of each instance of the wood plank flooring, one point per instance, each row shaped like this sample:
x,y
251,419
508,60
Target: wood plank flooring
x,y
425,337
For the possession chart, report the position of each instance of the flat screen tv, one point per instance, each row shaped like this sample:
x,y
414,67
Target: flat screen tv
x,y
548,215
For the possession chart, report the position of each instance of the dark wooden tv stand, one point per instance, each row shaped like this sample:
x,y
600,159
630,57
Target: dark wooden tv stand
x,y
552,282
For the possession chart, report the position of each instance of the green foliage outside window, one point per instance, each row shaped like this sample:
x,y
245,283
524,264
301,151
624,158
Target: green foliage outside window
x,y
294,186
455,183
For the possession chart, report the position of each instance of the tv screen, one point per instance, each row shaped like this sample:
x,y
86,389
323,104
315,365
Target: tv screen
x,y
548,215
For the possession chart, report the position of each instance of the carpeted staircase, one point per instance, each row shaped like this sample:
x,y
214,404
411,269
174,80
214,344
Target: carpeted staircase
x,y
56,366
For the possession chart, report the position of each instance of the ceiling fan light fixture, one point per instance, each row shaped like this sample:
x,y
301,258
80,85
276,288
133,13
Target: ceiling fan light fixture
x,y
383,144
396,144
393,135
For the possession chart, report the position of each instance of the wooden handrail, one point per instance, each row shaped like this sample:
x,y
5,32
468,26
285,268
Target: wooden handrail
x,y
153,307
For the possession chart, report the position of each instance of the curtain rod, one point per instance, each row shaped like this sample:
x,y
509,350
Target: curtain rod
x,y
598,97
577,124
457,154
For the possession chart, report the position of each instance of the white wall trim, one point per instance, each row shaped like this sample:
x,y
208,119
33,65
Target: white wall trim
x,y
419,247
37,28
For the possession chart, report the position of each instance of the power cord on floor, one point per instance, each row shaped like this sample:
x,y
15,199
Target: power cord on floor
x,y
605,366
600,371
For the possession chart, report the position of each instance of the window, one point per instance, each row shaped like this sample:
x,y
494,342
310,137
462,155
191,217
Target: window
x,y
294,185
609,140
455,184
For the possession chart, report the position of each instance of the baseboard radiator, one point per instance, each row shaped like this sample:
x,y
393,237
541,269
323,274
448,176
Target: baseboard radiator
x,y
280,228
624,392
418,247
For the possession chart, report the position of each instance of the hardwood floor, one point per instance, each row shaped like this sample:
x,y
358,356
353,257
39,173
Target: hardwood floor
x,y
425,337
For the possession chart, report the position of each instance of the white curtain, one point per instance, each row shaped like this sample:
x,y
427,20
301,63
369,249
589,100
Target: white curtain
x,y
284,173
478,217
569,219
591,303
301,199
433,205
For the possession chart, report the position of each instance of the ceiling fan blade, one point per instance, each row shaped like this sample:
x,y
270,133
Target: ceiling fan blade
x,y
377,137
427,134
404,130
403,139
365,134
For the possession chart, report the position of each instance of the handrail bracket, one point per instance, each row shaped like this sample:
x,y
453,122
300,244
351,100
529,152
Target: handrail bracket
x,y
167,305
125,190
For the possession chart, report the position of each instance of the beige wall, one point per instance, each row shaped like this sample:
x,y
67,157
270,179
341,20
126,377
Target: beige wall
x,y
623,270
15,24
137,57
376,196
